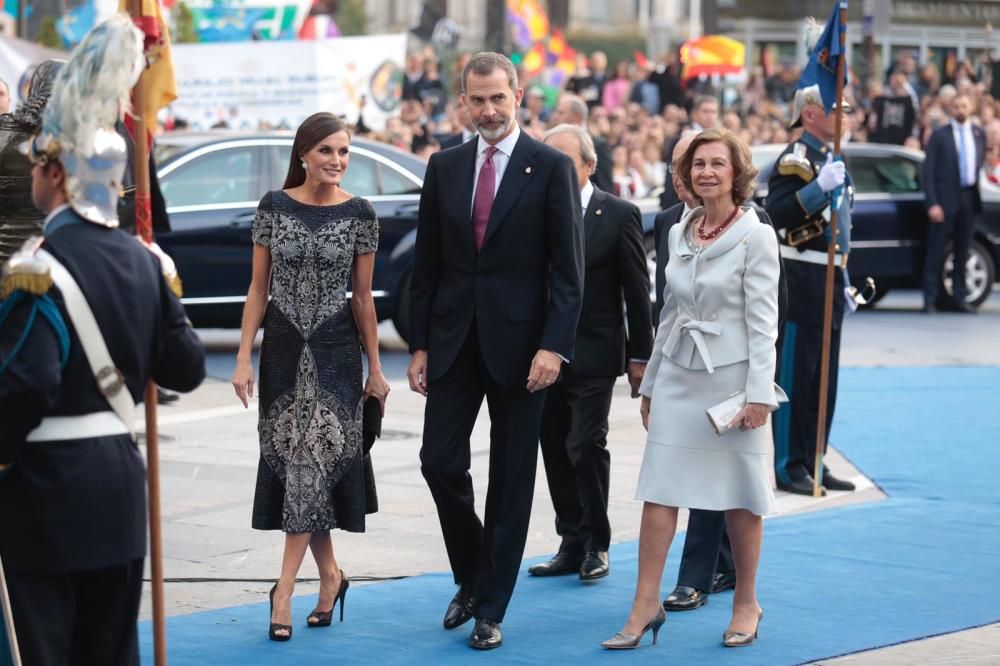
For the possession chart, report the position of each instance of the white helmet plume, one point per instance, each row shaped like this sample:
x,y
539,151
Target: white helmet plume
x,y
92,90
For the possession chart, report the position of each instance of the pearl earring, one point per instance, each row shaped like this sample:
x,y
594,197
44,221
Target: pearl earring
x,y
304,165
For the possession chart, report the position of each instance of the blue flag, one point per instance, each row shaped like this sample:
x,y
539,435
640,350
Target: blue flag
x,y
822,67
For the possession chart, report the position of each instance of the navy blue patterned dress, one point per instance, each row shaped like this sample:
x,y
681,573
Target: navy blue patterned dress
x,y
311,472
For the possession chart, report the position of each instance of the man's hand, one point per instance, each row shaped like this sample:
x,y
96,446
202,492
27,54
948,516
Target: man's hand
x,y
832,175
544,370
935,214
417,372
636,371
644,412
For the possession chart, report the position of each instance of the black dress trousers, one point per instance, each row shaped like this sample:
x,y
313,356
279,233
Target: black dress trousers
x,y
489,551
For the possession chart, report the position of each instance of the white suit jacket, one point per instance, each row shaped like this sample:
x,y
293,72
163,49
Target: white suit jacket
x,y
720,305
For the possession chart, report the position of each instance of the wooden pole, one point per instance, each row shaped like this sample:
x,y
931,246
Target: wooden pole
x,y
831,251
8,622
144,228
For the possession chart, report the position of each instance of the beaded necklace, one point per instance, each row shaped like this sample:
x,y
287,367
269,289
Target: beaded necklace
x,y
719,229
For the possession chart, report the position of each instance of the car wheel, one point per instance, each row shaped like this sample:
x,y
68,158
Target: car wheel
x,y
402,319
979,274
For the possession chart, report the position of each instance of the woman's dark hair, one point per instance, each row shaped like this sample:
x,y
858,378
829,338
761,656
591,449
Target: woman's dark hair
x,y
313,129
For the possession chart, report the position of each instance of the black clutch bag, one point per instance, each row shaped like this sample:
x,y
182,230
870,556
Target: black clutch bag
x,y
371,423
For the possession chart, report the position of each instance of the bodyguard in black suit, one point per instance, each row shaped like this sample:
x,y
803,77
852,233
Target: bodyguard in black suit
x,y
955,154
497,290
73,507
572,110
575,421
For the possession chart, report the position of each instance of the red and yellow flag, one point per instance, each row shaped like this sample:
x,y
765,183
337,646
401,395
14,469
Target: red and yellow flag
x,y
159,84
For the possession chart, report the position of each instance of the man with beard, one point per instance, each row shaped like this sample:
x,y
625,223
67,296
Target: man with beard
x,y
497,290
951,183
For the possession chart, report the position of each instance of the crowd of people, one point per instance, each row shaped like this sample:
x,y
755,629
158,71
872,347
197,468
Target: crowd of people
x,y
638,108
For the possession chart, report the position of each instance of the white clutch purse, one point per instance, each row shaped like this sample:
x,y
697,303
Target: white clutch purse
x,y
722,414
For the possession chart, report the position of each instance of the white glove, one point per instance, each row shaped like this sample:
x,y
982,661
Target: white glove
x,y
832,175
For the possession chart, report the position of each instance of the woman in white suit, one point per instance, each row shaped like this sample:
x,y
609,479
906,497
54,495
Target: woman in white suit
x,y
716,338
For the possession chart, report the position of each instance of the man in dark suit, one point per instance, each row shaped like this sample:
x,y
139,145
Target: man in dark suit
x,y
467,132
497,290
575,421
704,115
572,110
73,491
955,155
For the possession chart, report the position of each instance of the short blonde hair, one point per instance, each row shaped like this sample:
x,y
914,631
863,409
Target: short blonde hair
x,y
744,172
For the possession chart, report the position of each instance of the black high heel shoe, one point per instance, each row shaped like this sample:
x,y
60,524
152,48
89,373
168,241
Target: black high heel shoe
x,y
275,627
323,618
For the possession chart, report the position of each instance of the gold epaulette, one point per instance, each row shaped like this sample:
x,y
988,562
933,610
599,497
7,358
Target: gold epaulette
x,y
24,272
167,266
796,163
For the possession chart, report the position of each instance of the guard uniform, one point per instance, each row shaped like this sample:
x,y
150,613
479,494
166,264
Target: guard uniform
x,y
800,211
87,318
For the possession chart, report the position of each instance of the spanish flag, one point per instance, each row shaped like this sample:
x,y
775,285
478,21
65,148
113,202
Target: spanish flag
x,y
159,84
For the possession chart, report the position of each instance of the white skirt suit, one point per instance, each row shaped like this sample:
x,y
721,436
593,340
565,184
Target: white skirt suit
x,y
716,337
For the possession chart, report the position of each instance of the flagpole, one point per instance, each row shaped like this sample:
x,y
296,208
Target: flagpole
x,y
144,228
831,251
8,622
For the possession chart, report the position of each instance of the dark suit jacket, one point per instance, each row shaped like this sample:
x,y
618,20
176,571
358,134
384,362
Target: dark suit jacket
x,y
452,140
941,175
602,177
615,275
524,288
661,230
80,504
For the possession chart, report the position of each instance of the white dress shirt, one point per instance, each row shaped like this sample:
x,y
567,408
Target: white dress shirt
x,y
500,160
585,194
970,150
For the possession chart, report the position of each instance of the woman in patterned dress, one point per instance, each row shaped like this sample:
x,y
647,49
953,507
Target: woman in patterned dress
x,y
310,238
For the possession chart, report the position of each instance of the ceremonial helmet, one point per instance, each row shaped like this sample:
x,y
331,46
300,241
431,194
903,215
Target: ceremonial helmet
x,y
78,124
804,97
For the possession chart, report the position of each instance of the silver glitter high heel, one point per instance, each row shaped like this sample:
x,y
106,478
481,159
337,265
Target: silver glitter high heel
x,y
622,641
739,639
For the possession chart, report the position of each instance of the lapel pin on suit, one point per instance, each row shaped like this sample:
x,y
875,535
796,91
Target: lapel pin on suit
x,y
597,212
527,169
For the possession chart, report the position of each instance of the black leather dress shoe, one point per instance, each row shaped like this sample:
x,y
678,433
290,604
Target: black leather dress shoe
x,y
928,308
830,482
724,581
460,609
802,485
964,308
684,598
486,635
164,398
595,565
561,563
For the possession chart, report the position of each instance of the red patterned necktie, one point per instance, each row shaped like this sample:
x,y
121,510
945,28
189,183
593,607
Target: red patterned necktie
x,y
483,201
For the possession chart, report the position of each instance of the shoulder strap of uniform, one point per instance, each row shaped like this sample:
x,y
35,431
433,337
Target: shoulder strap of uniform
x,y
167,267
109,378
796,163
24,272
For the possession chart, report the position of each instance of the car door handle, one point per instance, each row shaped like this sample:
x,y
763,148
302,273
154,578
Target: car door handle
x,y
244,221
407,209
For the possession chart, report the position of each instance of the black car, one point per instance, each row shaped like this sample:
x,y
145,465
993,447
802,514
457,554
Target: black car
x,y
889,220
212,183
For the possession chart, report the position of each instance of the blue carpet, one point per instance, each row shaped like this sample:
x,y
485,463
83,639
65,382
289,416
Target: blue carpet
x,y
921,563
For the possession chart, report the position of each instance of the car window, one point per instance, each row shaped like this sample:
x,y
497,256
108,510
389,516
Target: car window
x,y
394,182
360,179
884,174
220,177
